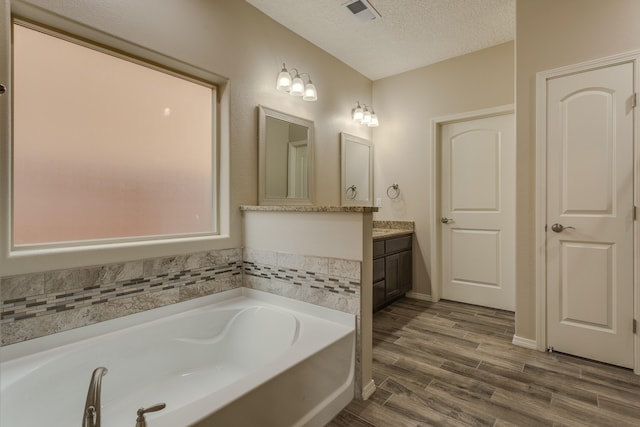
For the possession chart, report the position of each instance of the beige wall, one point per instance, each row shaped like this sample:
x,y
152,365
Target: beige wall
x,y
551,34
406,104
234,40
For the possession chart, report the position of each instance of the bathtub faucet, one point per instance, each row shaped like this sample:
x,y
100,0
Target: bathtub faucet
x,y
91,415
140,421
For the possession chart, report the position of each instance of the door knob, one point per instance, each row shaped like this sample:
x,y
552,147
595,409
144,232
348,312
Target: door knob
x,y
558,228
445,220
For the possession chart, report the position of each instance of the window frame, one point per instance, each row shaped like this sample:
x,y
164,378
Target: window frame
x,y
40,257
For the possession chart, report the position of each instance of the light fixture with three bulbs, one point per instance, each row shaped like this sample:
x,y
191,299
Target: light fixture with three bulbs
x,y
364,116
293,83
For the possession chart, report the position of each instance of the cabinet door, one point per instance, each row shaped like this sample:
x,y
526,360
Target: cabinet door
x,y
378,295
378,270
378,248
404,271
392,264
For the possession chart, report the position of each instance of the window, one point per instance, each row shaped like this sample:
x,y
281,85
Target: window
x,y
106,147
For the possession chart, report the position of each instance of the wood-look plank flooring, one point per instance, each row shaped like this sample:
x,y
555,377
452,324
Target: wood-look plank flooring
x,y
453,364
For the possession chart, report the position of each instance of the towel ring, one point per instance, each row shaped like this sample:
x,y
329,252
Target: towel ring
x,y
352,192
393,191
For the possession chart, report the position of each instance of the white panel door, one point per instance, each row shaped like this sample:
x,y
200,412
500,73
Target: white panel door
x,y
590,214
477,207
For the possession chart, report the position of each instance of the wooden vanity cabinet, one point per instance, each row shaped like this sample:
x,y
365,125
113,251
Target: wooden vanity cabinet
x,y
392,266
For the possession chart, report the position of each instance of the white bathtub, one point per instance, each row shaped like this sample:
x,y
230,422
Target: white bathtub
x,y
239,358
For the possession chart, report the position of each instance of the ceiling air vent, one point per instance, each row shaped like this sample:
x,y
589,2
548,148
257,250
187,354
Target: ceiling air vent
x,y
362,10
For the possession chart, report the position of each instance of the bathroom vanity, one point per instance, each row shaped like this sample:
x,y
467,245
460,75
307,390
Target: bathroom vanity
x,y
392,265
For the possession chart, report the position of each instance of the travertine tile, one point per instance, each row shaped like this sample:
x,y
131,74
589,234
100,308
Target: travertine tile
x,y
324,298
54,301
155,266
66,280
193,261
345,268
304,263
221,257
134,304
36,327
21,286
286,208
210,287
259,256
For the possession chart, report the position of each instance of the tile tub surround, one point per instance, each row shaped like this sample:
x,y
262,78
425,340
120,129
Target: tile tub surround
x,y
328,282
294,208
40,304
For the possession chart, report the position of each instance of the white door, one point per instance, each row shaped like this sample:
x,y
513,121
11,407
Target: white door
x,y
590,194
297,172
477,208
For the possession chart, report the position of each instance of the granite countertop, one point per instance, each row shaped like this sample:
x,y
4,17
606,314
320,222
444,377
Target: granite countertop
x,y
383,229
379,233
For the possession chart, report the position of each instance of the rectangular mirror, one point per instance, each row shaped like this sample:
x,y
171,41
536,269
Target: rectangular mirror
x,y
285,170
356,171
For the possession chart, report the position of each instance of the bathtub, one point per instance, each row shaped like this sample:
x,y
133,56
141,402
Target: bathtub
x,y
238,358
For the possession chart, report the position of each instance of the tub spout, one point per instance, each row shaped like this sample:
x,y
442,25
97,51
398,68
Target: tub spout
x,y
91,415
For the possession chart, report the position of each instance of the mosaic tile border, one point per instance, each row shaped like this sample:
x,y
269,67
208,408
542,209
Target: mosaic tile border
x,y
16,309
303,278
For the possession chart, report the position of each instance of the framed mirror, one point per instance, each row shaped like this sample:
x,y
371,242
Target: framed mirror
x,y
285,169
356,171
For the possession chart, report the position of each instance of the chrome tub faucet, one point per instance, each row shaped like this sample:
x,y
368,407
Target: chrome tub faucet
x,y
91,415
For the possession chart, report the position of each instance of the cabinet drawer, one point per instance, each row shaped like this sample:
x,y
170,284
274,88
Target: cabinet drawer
x,y
378,269
398,244
378,248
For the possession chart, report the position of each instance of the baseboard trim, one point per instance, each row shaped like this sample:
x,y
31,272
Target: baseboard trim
x,y
524,342
368,390
421,297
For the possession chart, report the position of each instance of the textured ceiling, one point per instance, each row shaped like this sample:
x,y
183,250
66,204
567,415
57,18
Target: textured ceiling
x,y
408,35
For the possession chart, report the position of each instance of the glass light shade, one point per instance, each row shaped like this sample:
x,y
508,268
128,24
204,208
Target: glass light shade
x,y
310,93
297,86
366,117
283,83
358,113
374,121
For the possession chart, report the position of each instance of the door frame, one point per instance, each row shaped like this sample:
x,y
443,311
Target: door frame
x,y
541,189
436,168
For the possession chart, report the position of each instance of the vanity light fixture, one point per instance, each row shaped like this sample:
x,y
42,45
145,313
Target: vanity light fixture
x,y
374,123
357,113
293,83
364,116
